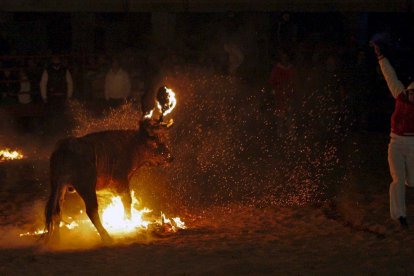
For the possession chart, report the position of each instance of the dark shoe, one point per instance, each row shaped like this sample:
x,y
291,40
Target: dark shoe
x,y
403,222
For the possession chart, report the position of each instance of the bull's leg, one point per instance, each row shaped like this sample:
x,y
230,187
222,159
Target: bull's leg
x,y
127,201
92,212
91,204
58,216
125,194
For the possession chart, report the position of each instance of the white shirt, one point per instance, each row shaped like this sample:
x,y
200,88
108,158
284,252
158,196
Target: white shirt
x,y
24,93
117,84
235,55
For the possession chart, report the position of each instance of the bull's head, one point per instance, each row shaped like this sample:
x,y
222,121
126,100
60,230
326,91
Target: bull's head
x,y
154,134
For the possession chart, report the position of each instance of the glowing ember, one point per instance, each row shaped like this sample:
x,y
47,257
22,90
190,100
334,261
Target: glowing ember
x,y
8,154
114,219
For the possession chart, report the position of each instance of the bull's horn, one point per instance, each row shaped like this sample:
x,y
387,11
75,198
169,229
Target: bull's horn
x,y
167,125
170,122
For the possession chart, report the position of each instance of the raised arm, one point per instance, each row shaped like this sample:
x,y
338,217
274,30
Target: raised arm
x,y
394,84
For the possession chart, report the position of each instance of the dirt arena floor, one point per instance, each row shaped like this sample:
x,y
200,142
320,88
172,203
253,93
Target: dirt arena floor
x,y
349,235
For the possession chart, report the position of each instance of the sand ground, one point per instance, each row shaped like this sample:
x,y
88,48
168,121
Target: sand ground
x,y
349,235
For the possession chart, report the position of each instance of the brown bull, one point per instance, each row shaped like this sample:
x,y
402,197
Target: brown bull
x,y
101,160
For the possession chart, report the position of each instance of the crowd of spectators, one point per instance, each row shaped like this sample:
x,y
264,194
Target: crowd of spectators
x,y
38,79
334,66
298,63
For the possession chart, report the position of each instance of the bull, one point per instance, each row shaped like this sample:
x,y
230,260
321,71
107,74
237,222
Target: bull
x,y
101,160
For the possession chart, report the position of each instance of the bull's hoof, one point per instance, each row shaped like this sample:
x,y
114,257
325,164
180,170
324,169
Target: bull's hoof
x,y
107,240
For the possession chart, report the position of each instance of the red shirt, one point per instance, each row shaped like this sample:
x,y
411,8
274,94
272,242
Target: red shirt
x,y
402,120
281,77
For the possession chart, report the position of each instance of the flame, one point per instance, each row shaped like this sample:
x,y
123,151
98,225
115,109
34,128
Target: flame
x,y
172,103
149,114
8,154
114,219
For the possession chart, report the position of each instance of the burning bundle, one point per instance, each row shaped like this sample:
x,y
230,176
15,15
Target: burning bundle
x,y
166,102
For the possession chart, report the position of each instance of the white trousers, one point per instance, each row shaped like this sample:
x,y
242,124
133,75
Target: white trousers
x,y
401,162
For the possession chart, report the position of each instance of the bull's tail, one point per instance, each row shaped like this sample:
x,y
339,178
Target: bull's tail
x,y
53,208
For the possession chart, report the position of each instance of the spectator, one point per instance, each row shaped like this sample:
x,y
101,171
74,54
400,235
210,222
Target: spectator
x,y
24,96
281,80
286,32
9,87
95,76
56,84
235,57
25,119
332,78
34,73
117,84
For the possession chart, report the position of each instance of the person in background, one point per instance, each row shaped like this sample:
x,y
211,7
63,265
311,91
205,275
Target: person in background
x,y
281,81
23,95
56,84
235,57
286,32
9,86
117,84
401,146
56,87
34,74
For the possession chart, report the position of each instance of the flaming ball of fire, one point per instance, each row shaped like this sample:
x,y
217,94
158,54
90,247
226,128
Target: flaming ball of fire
x,y
166,102
7,154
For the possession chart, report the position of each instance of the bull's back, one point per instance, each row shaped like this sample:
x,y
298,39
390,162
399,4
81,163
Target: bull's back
x,y
71,160
112,149
110,141
105,156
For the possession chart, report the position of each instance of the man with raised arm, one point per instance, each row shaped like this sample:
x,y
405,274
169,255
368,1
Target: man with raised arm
x,y
401,146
